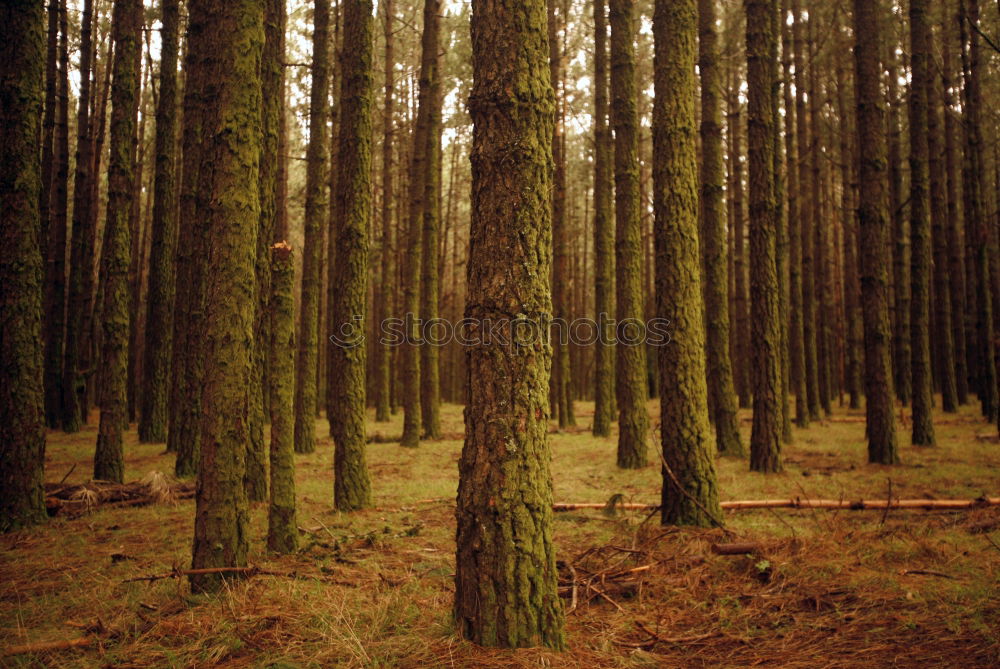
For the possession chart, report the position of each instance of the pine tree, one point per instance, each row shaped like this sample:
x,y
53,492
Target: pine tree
x,y
22,430
352,485
225,39
505,567
873,228
383,351
630,382
317,201
604,259
109,458
160,307
689,459
920,273
713,238
765,436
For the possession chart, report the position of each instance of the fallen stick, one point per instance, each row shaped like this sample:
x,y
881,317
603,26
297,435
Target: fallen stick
x,y
799,503
236,571
47,646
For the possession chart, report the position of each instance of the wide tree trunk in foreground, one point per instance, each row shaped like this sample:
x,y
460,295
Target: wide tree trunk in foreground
x,y
685,435
873,226
160,308
713,239
317,201
604,233
505,569
226,39
920,227
22,430
765,436
630,384
109,458
351,484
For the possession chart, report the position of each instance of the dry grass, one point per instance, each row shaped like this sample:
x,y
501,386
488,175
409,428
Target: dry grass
x,y
830,589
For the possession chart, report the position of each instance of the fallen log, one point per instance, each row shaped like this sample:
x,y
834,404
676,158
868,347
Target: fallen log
x,y
742,548
45,646
77,499
800,503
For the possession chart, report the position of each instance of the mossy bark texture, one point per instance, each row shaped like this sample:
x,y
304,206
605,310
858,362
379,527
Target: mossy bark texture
x,y
109,457
317,201
713,240
225,40
765,435
282,528
873,229
352,484
22,430
604,234
686,437
631,384
505,576
160,301
387,279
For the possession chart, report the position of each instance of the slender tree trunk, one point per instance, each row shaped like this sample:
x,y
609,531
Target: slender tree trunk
x,y
506,589
685,433
741,300
22,402
226,39
160,307
713,236
874,229
383,351
604,258
920,278
352,485
765,436
633,420
109,458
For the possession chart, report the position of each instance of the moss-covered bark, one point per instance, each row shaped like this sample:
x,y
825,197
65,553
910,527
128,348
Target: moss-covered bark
x,y
282,528
81,244
505,570
158,345
430,372
920,229
713,239
109,457
22,430
873,229
604,236
630,384
317,201
685,434
387,277
226,39
351,484
765,436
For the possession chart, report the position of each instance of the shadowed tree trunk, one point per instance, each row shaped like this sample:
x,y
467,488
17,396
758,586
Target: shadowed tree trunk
x,y
685,433
631,385
351,484
317,201
53,357
226,39
713,236
22,430
505,568
873,227
604,259
765,436
920,232
160,308
109,458
383,352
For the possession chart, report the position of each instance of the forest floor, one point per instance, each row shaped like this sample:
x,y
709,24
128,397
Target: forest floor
x,y
827,589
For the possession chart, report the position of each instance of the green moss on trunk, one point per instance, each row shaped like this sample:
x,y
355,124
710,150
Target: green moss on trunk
x,y
505,570
22,430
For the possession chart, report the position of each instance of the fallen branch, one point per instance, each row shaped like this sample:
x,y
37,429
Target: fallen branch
x,y
45,646
925,572
800,503
235,571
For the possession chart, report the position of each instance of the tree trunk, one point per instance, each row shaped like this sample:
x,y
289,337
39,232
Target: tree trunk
x,y
383,351
505,568
109,458
22,402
